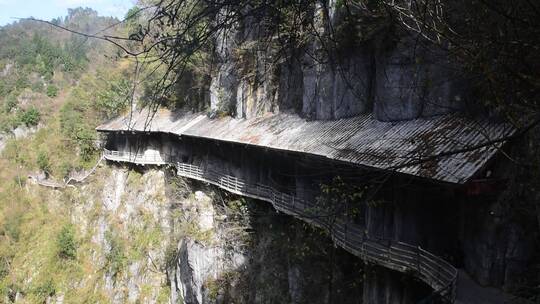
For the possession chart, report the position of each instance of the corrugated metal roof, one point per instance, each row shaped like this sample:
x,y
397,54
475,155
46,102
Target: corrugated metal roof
x,y
152,121
421,147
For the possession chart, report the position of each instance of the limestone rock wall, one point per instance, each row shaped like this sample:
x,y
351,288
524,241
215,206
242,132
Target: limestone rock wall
x,y
124,214
497,248
414,80
255,255
158,238
387,72
383,286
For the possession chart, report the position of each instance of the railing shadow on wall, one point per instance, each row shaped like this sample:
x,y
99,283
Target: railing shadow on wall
x,y
431,269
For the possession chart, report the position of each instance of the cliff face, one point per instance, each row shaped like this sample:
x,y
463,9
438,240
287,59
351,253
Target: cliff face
x,y
152,237
373,68
126,217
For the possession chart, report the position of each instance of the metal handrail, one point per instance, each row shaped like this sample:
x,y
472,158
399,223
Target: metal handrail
x,y
399,256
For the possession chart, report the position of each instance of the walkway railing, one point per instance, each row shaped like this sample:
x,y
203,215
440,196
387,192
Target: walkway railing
x,y
139,158
75,178
399,256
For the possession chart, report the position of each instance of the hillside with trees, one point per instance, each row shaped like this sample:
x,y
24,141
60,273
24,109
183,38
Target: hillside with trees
x,y
50,76
55,87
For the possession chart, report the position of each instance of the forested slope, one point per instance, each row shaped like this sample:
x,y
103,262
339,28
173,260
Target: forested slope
x,y
55,87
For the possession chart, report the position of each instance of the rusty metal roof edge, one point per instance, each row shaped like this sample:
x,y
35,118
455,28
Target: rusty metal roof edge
x,y
453,181
459,174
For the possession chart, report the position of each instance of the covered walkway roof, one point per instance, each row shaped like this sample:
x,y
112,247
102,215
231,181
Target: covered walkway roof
x,y
449,148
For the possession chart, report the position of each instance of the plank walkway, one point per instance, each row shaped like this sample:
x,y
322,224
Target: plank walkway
x,y
54,184
82,177
431,269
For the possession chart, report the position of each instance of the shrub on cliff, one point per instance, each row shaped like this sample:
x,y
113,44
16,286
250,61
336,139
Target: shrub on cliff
x,y
116,259
31,117
52,91
67,247
43,161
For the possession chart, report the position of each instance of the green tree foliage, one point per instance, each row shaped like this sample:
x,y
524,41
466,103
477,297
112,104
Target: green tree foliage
x,y
74,58
39,251
66,244
341,197
31,48
41,55
132,20
75,124
97,98
116,258
22,82
52,91
12,226
3,88
31,55
43,161
30,117
86,143
114,98
45,290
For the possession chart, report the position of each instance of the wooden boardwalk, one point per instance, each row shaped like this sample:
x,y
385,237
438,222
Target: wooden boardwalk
x,y
54,184
398,256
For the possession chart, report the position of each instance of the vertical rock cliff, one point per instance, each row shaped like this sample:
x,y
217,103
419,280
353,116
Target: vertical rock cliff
x,y
153,237
348,67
